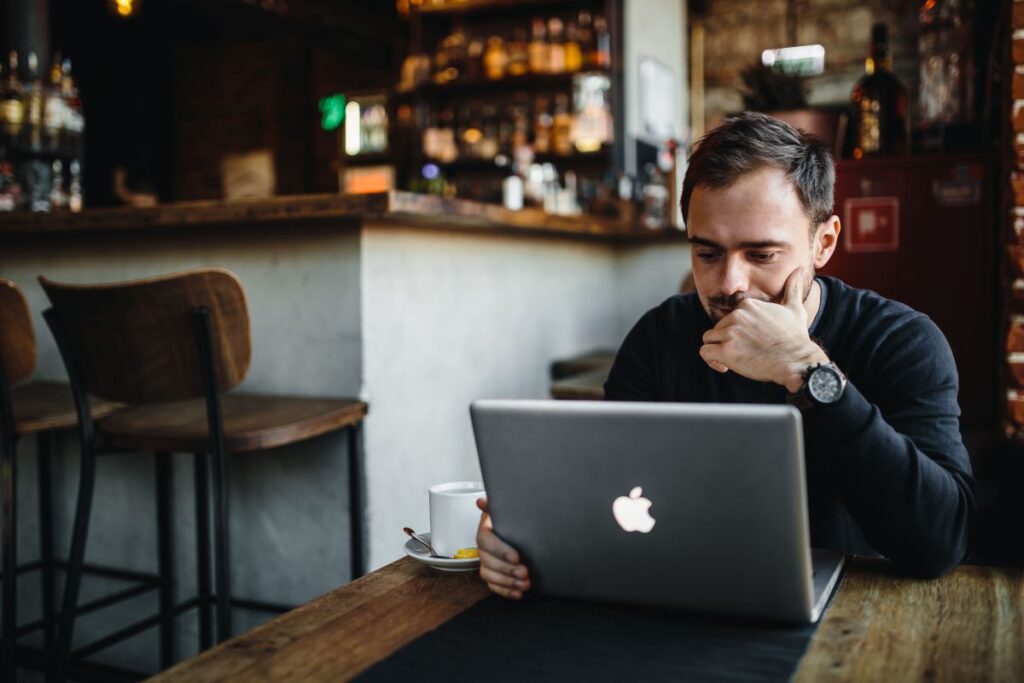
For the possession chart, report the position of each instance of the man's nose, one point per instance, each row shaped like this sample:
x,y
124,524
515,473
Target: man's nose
x,y
734,276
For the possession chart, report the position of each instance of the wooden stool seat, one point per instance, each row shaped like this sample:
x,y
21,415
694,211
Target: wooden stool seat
x,y
251,422
43,406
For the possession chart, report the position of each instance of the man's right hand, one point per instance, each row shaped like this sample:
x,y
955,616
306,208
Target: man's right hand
x,y
499,562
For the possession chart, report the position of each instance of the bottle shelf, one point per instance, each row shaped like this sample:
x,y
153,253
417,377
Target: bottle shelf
x,y
494,6
574,160
527,82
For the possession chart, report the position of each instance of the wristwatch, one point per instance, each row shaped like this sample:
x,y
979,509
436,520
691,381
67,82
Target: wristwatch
x,y
824,384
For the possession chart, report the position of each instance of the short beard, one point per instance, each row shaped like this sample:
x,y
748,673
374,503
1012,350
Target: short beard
x,y
718,307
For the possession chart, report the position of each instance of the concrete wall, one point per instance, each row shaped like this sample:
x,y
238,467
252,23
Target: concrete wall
x,y
448,318
655,29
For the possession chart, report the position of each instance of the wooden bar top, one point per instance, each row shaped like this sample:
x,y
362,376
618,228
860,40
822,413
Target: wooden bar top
x,y
967,626
338,210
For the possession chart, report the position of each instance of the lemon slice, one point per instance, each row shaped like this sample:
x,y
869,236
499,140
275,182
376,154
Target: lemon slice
x,y
467,554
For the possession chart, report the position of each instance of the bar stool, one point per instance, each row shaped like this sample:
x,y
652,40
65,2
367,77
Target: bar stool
x,y
37,408
170,348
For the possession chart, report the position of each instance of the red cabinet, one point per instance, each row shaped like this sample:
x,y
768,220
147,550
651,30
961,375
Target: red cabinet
x,y
939,257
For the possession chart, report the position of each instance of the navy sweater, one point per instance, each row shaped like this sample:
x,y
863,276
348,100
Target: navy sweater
x,y
887,471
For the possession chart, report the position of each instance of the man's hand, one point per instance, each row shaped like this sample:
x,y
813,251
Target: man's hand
x,y
764,341
499,562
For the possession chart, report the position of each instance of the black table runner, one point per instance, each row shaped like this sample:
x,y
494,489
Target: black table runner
x,y
544,639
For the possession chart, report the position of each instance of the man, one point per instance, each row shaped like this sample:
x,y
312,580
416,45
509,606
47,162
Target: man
x,y
887,472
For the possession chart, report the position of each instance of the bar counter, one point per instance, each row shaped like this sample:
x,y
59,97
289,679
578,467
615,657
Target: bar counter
x,y
339,210
415,305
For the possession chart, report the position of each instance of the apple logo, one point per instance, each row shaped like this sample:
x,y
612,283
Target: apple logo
x,y
633,512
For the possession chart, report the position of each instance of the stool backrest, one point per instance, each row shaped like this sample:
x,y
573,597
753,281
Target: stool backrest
x,y
136,342
17,340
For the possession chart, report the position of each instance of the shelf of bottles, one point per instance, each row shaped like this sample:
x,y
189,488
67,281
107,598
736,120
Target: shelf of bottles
x,y
41,128
506,102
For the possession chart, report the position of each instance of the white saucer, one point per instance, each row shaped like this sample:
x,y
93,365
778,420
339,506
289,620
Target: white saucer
x,y
416,551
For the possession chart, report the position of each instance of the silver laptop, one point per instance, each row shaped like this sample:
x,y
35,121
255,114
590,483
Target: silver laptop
x,y
695,506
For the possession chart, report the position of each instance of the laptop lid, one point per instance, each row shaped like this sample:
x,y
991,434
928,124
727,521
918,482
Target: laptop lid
x,y
695,506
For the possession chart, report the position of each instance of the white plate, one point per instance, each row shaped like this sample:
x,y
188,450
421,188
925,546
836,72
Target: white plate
x,y
416,551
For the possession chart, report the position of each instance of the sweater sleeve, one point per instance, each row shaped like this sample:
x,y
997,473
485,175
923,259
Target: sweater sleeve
x,y
901,466
633,376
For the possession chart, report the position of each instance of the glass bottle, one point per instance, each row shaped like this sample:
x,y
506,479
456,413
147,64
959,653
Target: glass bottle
x,y
561,126
12,100
878,116
588,47
542,123
946,59
495,58
538,47
573,49
556,46
34,99
74,121
518,54
53,105
602,57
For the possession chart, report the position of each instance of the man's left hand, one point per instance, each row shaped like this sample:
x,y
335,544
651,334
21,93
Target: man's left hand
x,y
765,341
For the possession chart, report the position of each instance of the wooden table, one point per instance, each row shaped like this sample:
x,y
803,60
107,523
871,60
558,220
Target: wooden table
x,y
967,626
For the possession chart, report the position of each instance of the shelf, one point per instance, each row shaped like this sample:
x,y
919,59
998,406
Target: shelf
x,y
495,6
575,160
531,82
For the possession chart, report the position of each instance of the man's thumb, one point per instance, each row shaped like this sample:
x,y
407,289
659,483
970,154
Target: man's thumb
x,y
794,292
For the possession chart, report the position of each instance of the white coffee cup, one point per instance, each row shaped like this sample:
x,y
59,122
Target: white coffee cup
x,y
454,516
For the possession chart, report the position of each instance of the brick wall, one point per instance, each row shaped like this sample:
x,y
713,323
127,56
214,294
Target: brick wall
x,y
233,98
737,31
1014,284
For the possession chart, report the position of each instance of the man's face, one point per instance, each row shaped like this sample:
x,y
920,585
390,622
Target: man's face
x,y
748,237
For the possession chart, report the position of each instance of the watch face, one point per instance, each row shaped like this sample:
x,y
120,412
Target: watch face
x,y
825,385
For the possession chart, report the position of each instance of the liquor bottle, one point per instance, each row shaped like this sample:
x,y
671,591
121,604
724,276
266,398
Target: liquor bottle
x,y
561,126
878,116
495,59
76,198
58,197
474,68
573,49
946,58
585,27
518,54
12,100
74,118
556,46
10,191
54,115
34,103
538,47
602,55
542,123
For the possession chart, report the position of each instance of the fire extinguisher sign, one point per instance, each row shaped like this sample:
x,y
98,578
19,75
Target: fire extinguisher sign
x,y
872,224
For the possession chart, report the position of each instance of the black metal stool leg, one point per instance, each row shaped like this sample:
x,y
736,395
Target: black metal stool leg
x,y
73,582
355,500
165,555
222,546
44,472
202,492
8,472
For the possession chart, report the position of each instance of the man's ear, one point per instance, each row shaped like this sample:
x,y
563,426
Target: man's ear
x,y
825,241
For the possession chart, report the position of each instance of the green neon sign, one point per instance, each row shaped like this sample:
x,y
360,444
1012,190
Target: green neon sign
x,y
332,111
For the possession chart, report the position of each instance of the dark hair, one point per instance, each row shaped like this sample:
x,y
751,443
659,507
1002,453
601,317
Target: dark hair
x,y
751,141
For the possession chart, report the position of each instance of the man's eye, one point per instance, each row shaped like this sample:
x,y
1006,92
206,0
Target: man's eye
x,y
707,256
762,256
